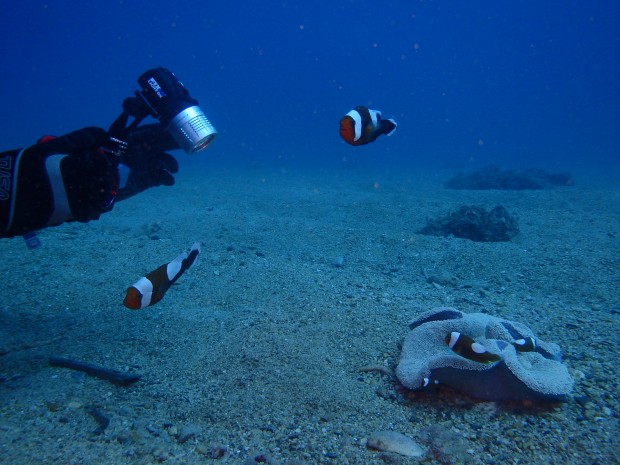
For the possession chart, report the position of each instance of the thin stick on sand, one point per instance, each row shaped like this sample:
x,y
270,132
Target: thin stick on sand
x,y
121,378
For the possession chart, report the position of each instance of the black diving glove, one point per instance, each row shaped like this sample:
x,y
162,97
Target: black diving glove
x,y
69,178
145,163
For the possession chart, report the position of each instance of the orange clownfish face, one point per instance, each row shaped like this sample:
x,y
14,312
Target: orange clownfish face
x,y
347,130
133,299
361,126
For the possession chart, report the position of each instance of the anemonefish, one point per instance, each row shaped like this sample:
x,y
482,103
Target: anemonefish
x,y
151,288
527,344
362,126
466,347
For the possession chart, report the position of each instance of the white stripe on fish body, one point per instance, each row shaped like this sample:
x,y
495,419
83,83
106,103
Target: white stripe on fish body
x,y
478,348
375,115
145,287
174,267
357,123
454,337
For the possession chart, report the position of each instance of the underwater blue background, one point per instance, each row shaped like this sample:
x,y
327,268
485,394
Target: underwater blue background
x,y
513,83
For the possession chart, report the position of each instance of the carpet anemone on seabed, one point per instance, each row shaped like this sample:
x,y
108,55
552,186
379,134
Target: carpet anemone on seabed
x,y
486,357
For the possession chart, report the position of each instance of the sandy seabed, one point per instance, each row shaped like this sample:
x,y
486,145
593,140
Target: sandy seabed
x,y
255,355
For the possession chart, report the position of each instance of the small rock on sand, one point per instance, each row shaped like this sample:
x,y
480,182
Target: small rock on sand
x,y
392,441
187,432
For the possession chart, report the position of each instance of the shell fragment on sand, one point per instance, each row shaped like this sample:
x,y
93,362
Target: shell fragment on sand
x,y
393,441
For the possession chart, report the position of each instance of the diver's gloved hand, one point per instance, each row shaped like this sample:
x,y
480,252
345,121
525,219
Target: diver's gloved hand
x,y
67,178
145,164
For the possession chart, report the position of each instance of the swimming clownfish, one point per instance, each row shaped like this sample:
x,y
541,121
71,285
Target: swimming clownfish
x,y
362,126
466,347
151,288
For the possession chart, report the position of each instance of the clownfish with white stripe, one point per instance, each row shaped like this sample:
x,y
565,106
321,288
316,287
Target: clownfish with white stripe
x,y
362,126
151,288
466,347
527,344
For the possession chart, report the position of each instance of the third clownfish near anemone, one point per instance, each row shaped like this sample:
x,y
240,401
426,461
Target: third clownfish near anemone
x,y
467,347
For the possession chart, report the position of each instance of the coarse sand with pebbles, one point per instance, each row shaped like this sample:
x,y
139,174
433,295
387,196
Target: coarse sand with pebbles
x,y
279,345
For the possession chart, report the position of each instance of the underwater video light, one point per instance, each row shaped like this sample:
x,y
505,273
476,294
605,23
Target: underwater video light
x,y
170,102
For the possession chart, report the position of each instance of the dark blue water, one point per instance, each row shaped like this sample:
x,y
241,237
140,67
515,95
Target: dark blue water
x,y
514,83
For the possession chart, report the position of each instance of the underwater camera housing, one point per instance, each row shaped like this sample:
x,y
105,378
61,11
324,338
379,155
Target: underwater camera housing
x,y
165,98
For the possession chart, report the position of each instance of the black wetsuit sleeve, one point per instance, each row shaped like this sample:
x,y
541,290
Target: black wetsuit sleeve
x,y
64,179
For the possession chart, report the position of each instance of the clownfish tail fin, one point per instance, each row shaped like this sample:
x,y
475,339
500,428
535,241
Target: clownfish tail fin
x,y
388,126
190,259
